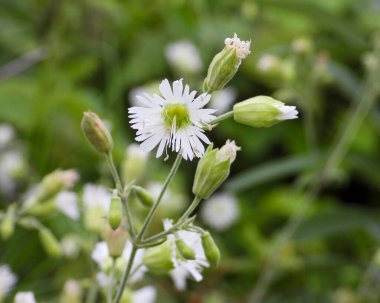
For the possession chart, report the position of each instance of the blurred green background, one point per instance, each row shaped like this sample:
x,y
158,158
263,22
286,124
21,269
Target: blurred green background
x,y
61,57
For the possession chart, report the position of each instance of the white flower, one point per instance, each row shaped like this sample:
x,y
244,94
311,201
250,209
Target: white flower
x,y
144,295
96,202
184,56
288,112
223,99
242,47
70,246
174,120
7,280
138,270
220,211
185,268
67,203
11,164
100,255
96,196
7,134
25,297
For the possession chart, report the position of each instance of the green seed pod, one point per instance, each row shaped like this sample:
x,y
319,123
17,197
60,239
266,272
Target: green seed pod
x,y
115,213
211,250
96,132
49,242
143,195
263,111
185,250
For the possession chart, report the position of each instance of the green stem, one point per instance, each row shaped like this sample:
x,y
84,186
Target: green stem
x,y
191,208
181,221
153,210
120,190
221,118
126,275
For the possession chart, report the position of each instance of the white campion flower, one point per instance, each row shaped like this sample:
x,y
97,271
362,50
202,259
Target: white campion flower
x,y
67,203
222,100
174,120
25,297
7,281
186,268
7,134
220,211
184,56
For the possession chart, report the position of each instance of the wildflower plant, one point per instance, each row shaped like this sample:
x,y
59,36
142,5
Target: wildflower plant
x,y
172,120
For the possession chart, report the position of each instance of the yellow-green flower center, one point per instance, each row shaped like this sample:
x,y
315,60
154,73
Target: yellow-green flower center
x,y
176,113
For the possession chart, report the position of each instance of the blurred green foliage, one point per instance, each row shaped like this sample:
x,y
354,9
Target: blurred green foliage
x,y
59,58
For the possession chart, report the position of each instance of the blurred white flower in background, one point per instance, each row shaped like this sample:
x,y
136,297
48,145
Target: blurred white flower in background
x,y
268,62
184,56
102,257
7,281
96,202
11,166
7,134
70,246
144,295
25,297
67,203
222,100
220,211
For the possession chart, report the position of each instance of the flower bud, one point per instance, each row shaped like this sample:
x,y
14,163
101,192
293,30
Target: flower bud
x,y
115,213
55,182
226,63
49,242
213,168
263,111
212,252
96,132
115,240
8,224
186,251
134,163
143,195
159,259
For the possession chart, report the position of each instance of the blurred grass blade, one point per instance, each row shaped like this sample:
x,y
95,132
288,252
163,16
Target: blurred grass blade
x,y
271,171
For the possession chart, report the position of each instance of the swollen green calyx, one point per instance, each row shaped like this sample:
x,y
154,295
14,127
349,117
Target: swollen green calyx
x,y
178,114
